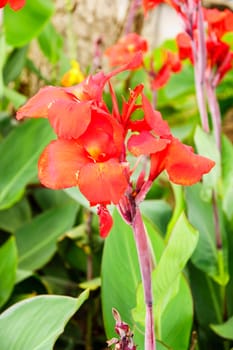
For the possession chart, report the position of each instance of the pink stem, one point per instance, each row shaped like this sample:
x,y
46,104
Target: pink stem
x,y
215,113
135,4
199,55
145,262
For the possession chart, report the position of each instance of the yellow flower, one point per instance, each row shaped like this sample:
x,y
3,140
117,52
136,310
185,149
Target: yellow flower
x,y
73,76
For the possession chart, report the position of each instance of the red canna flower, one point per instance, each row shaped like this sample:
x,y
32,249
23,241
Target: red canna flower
x,y
219,56
14,4
219,22
150,4
123,51
90,149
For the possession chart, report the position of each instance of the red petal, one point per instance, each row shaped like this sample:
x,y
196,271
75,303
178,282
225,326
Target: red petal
x,y
103,183
184,45
183,166
146,143
154,119
161,77
3,3
16,4
105,220
59,163
38,105
157,163
69,118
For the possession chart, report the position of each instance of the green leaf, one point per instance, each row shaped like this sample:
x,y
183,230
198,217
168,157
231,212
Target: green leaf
x,y
225,329
12,218
36,241
24,25
206,257
227,173
180,84
47,198
36,323
19,154
177,318
52,49
14,64
206,146
120,273
8,264
182,242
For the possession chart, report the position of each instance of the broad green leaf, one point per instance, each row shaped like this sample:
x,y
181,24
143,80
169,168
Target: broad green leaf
x,y
205,256
52,49
36,323
177,318
8,264
225,329
181,244
13,217
207,295
14,64
24,25
180,84
227,170
47,198
36,241
19,154
120,273
206,146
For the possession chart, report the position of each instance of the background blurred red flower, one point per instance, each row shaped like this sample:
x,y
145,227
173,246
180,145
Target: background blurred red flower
x,y
123,51
14,4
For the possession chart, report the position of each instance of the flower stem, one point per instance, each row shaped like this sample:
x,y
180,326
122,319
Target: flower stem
x,y
135,4
215,114
145,262
199,55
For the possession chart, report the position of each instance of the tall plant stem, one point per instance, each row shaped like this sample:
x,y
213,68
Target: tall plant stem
x,y
145,262
215,114
199,54
135,4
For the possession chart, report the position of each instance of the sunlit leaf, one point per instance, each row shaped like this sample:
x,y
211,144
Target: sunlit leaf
x,y
225,329
24,25
19,154
36,323
227,169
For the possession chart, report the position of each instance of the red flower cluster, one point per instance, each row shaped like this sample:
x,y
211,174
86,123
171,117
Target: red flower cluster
x,y
14,4
125,49
92,143
219,53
